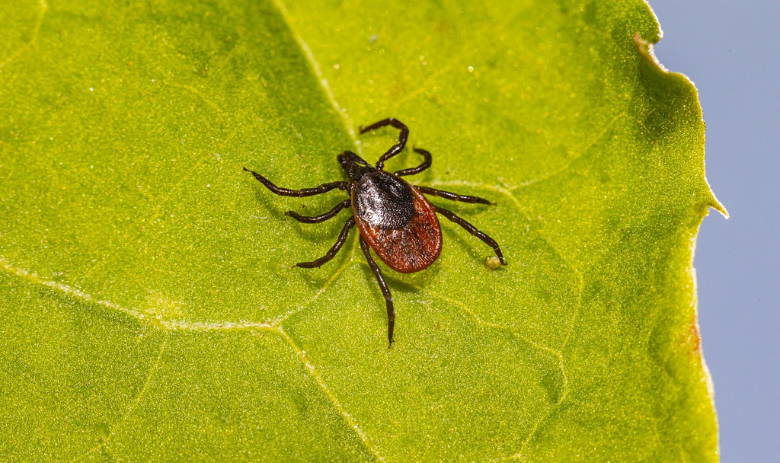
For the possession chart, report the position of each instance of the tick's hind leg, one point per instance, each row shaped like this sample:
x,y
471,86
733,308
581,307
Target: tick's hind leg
x,y
385,291
402,137
320,218
452,196
333,250
303,192
473,230
427,161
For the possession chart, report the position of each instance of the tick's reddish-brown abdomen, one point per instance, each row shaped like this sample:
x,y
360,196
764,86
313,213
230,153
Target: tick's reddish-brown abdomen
x,y
410,248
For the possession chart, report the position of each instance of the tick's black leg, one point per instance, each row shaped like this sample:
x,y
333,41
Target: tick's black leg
x,y
333,250
385,291
402,137
473,230
320,218
452,196
303,192
416,170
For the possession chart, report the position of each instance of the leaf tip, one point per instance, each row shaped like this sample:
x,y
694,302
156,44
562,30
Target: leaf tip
x,y
719,207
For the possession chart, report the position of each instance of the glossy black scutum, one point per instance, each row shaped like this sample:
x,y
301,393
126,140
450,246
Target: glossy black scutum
x,y
380,199
383,200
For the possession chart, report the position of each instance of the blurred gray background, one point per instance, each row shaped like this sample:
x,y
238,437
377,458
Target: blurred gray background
x,y
731,51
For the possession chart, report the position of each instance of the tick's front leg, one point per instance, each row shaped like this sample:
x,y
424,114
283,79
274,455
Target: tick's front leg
x,y
325,187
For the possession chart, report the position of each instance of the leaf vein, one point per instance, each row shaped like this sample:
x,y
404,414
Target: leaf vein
x,y
523,211
342,112
581,152
348,261
156,322
171,325
131,408
581,285
312,371
44,7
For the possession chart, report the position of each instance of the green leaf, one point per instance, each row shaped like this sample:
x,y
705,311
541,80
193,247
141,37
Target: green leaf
x,y
149,309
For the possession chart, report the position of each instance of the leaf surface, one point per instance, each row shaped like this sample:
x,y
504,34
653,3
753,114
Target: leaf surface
x,y
148,304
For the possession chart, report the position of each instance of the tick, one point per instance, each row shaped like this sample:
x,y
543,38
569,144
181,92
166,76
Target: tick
x,y
394,218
